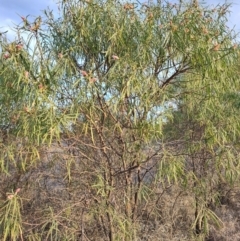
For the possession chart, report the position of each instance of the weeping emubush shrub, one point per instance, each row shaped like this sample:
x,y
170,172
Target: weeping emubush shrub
x,y
110,121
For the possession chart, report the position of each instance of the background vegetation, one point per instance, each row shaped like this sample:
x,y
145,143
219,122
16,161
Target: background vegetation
x,y
120,121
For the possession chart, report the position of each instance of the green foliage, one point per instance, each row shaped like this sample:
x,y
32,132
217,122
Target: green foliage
x,y
105,108
10,218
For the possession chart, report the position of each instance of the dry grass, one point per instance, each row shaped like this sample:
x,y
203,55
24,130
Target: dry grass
x,y
51,200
